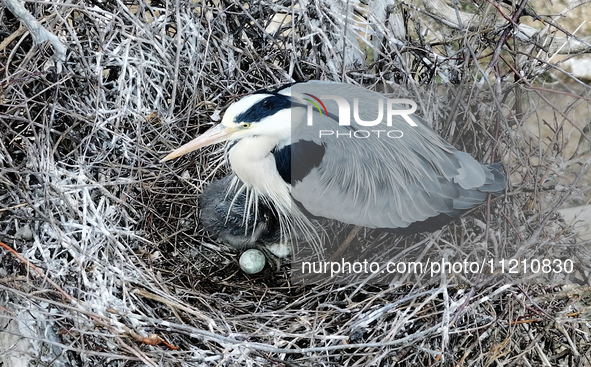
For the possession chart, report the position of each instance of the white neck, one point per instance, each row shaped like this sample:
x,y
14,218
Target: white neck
x,y
252,161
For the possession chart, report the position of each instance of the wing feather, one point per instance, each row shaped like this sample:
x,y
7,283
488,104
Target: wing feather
x,y
384,182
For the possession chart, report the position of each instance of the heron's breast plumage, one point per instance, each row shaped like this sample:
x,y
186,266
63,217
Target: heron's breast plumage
x,y
252,161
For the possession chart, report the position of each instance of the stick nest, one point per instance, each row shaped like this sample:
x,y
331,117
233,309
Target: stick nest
x,y
105,263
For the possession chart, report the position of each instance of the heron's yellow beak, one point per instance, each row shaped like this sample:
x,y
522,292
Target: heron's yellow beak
x,y
216,134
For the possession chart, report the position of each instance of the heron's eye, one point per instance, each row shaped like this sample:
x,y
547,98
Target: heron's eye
x,y
245,125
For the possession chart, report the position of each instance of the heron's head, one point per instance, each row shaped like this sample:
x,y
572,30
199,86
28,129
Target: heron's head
x,y
259,114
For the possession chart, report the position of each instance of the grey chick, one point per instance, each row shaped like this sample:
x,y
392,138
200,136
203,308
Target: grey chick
x,y
223,216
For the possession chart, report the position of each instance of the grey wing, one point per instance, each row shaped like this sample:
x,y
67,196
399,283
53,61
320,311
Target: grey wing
x,y
391,183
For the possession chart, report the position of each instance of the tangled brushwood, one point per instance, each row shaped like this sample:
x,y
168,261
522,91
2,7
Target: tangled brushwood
x,y
103,261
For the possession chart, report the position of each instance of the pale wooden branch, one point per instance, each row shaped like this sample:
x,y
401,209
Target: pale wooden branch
x,y
38,33
527,34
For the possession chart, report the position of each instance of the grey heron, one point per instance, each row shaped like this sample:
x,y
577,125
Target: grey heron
x,y
407,182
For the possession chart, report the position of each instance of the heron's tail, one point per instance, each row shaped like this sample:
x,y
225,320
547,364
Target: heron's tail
x,y
496,182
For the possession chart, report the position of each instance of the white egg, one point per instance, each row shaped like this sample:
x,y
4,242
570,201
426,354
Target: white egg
x,y
281,250
252,261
